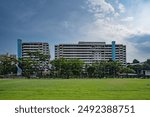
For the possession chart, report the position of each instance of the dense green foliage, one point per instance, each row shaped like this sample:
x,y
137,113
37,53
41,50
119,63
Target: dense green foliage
x,y
104,69
66,68
7,65
35,64
93,89
136,61
38,65
76,68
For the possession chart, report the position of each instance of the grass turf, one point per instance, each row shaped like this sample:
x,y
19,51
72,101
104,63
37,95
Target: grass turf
x,y
75,89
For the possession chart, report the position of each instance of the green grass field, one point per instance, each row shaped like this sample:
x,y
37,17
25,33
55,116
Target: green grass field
x,y
75,89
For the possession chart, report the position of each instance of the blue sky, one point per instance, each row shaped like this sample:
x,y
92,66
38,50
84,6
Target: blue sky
x,y
70,21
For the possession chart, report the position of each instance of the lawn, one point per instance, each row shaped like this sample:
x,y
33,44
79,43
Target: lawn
x,y
75,89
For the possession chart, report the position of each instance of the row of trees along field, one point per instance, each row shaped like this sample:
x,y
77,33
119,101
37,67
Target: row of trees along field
x,y
37,65
7,65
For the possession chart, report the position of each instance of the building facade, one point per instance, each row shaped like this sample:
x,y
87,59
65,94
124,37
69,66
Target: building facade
x,y
25,47
91,52
29,50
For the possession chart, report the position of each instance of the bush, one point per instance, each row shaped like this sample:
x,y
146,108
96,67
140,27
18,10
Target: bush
x,y
1,76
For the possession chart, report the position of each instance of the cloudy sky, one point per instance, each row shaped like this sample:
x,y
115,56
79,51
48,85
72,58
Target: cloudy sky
x,y
69,21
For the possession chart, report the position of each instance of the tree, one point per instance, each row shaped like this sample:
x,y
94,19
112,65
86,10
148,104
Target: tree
x,y
7,65
146,65
136,68
148,61
127,70
91,71
56,67
42,63
100,69
27,67
136,61
76,67
66,68
35,64
104,69
116,68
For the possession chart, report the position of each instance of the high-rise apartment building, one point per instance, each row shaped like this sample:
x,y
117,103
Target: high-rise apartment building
x,y
25,47
91,52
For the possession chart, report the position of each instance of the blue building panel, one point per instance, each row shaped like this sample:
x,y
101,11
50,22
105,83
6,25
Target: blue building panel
x,y
113,51
19,44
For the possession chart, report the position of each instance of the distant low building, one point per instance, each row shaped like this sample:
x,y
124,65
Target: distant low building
x,y
8,55
132,64
145,72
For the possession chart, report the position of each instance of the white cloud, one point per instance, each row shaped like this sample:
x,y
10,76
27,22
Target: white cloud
x,y
111,24
116,14
100,7
128,19
142,16
106,27
121,8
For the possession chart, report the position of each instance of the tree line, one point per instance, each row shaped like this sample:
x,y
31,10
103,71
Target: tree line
x,y
7,65
37,65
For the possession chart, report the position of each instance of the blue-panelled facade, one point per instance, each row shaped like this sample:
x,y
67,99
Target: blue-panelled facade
x,y
19,44
113,51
